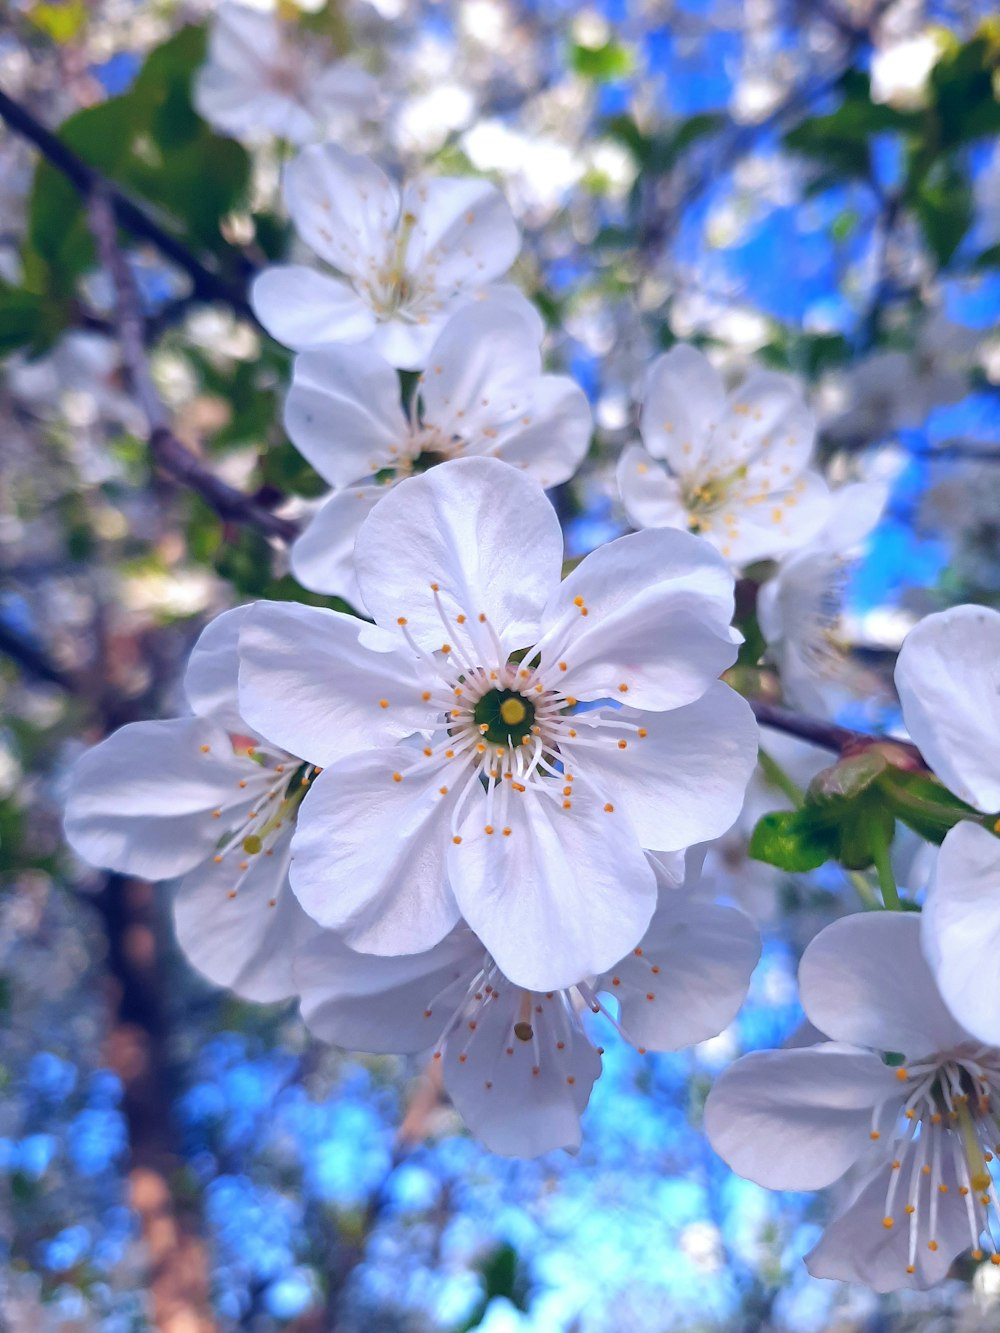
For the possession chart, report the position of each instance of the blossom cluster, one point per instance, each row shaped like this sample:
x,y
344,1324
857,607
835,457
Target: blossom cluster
x,y
473,813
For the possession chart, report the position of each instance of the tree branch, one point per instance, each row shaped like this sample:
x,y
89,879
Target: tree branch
x,y
31,659
208,284
169,453
827,735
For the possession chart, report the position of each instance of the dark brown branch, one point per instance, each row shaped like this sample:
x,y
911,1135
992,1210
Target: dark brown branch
x,y
169,453
827,735
208,284
32,660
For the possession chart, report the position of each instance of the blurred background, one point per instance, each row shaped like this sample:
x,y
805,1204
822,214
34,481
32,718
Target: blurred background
x,y
813,185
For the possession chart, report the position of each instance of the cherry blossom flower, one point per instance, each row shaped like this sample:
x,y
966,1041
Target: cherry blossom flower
x,y
519,1064
483,393
734,469
404,258
264,76
948,678
800,609
205,798
901,1097
500,745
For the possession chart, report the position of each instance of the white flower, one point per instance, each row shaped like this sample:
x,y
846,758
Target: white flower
x,y
799,610
406,258
203,797
732,469
483,393
948,678
267,77
900,72
920,1133
460,776
519,1064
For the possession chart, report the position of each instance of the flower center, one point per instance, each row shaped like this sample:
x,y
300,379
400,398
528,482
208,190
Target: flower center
x,y
506,715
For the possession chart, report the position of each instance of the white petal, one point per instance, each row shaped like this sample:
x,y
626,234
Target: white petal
x,y
555,440
855,510
465,233
961,928
141,802
304,308
651,496
517,1107
479,529
314,681
343,413
864,980
948,678
798,1119
655,617
682,400
768,428
562,897
210,681
322,557
684,782
244,942
369,854
782,521
343,206
403,343
485,351
856,1247
691,975
366,1003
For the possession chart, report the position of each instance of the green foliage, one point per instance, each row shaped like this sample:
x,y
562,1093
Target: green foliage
x,y
503,1278
602,64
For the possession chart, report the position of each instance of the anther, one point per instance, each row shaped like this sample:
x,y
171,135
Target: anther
x,y
609,809
643,733
401,620
888,1223
397,777
204,748
623,688
623,745
506,833
488,828
456,839
383,703
874,1135
426,695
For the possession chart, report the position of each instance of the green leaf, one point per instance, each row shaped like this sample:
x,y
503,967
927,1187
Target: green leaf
x,y
791,840
603,64
60,21
21,317
943,202
925,805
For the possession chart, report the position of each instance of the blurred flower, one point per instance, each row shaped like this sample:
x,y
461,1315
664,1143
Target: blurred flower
x,y
483,393
733,469
900,71
407,258
459,777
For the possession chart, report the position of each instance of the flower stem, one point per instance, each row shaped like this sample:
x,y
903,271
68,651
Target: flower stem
x,y
863,889
883,868
777,777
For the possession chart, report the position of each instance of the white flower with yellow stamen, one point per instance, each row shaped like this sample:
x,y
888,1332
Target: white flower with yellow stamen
x,y
519,1064
483,393
543,732
902,1096
266,76
733,469
404,258
203,797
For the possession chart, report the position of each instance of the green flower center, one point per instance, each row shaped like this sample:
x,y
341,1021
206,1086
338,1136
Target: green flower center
x,y
506,715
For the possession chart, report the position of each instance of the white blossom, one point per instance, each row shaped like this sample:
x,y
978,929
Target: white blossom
x,y
502,746
733,469
402,259
483,393
264,76
520,1064
901,1097
204,798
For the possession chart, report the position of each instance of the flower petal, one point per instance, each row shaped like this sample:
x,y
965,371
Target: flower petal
x,y
520,1108
479,529
685,780
343,205
960,928
798,1119
769,524
768,428
322,684
654,616
948,678
343,413
369,854
464,232
689,976
322,557
864,980
554,442
212,675
561,897
141,802
363,1002
303,308
681,403
651,496
856,1247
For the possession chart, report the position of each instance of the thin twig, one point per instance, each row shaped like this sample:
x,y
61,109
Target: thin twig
x,y
827,735
32,659
169,453
208,284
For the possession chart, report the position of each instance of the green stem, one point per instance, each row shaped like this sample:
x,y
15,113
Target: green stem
x,y
883,868
863,889
777,777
